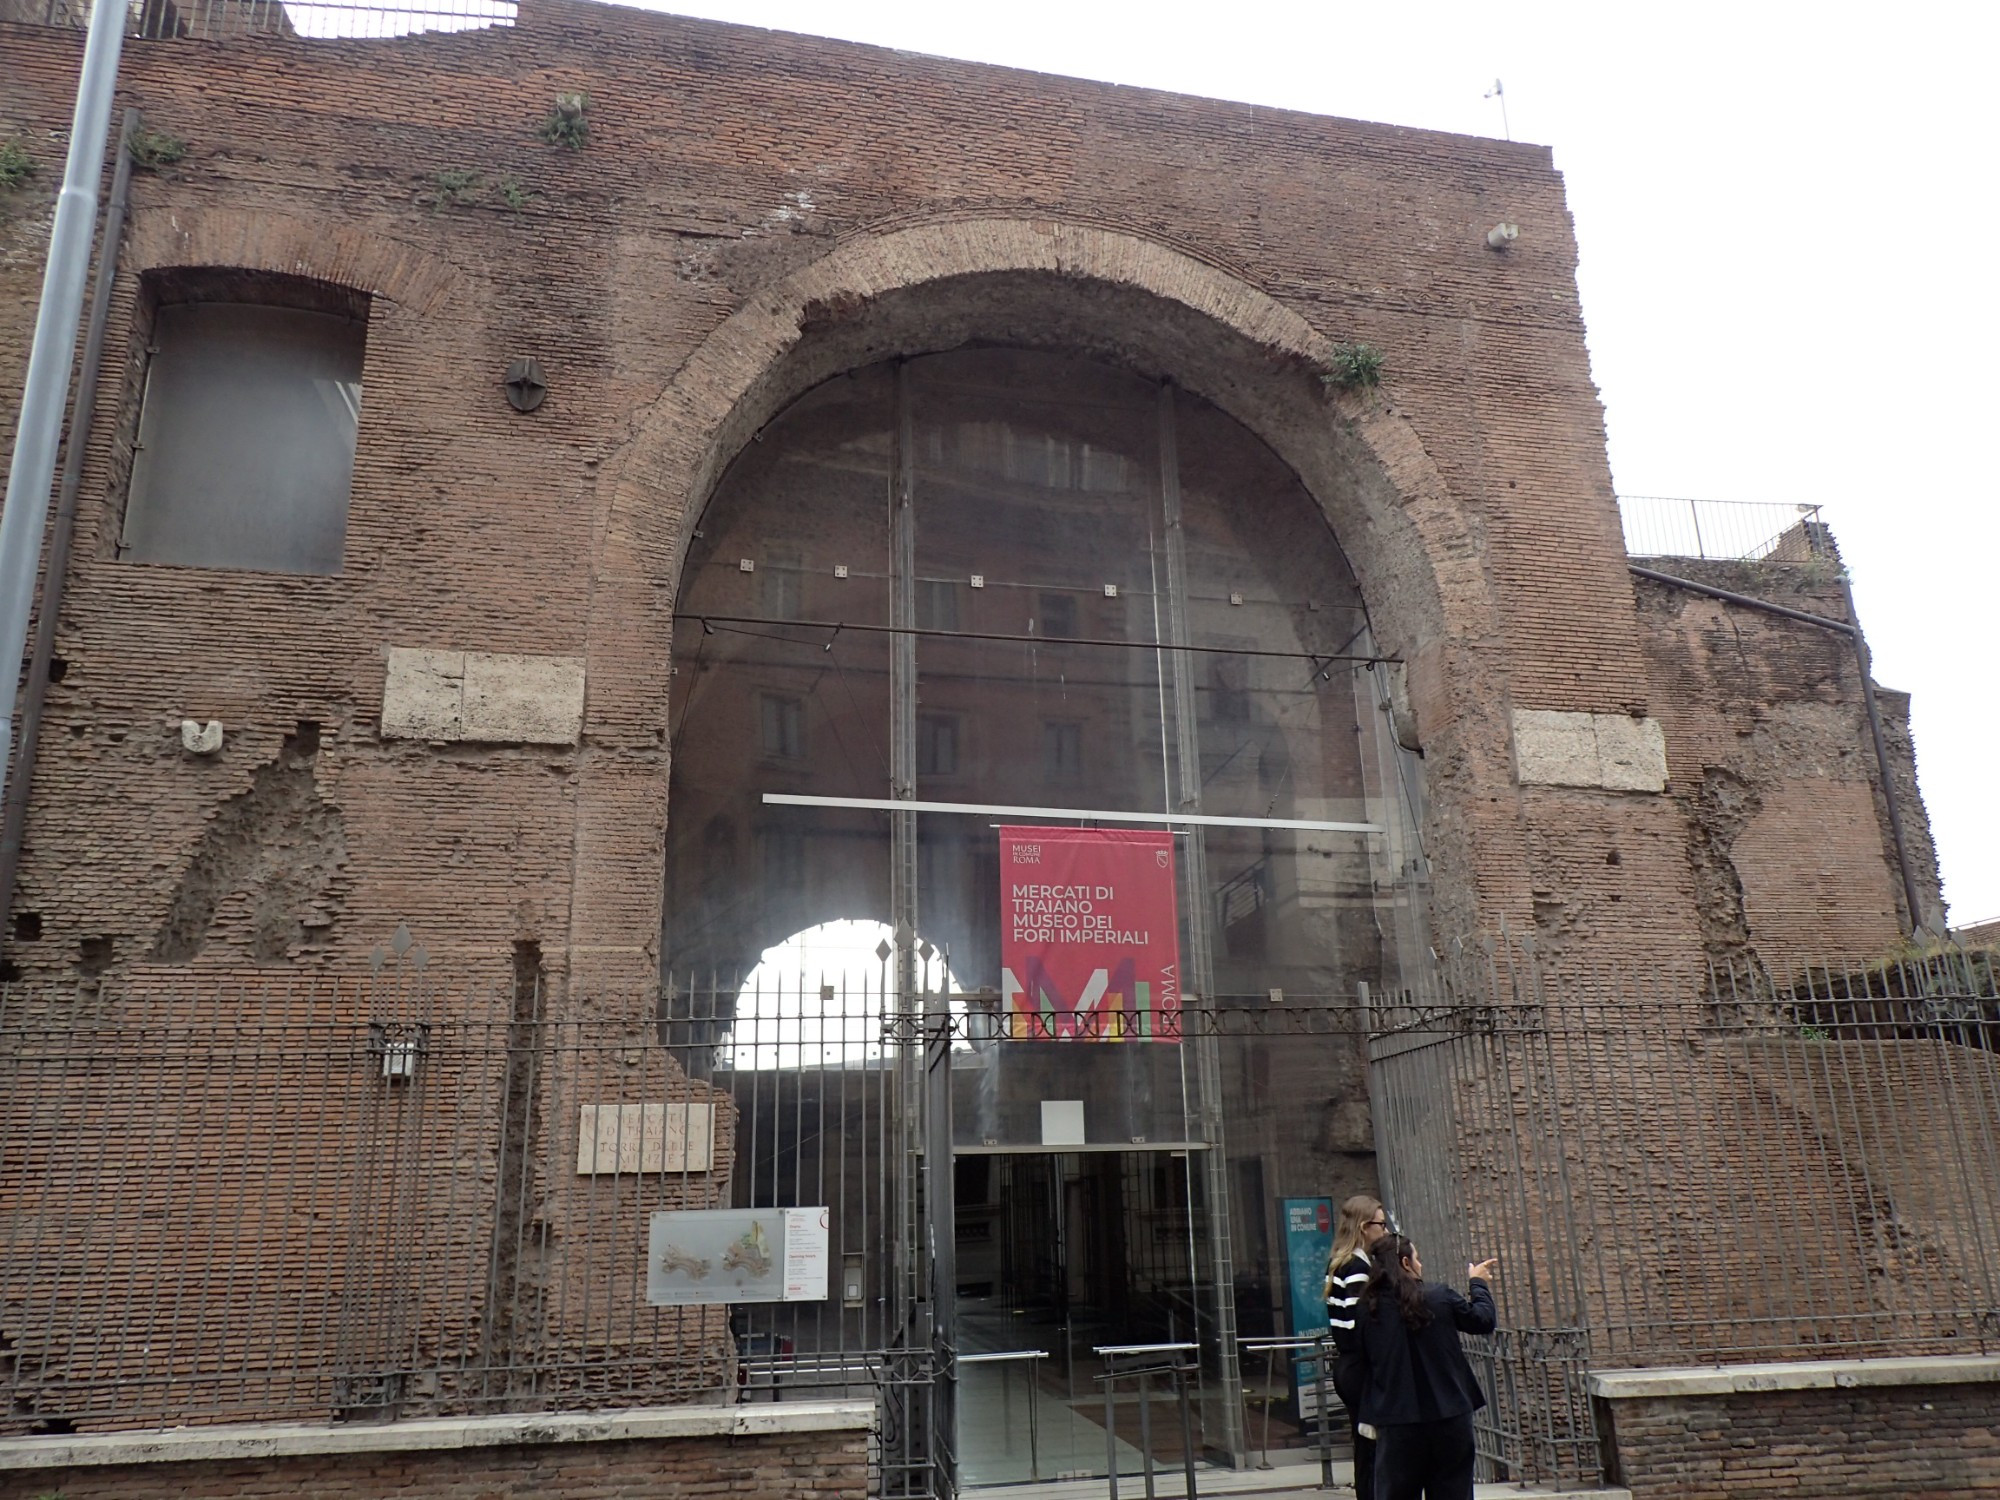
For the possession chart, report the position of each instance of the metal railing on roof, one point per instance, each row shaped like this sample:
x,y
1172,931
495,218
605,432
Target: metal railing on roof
x,y
224,20
1723,530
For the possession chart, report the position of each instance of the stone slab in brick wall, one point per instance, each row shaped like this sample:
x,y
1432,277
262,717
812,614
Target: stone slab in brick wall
x,y
523,700
482,697
1614,752
423,697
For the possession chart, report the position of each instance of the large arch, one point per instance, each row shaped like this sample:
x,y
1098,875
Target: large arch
x,y
925,288
1041,283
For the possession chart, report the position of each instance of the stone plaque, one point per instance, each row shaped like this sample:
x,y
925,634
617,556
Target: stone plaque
x,y
675,1137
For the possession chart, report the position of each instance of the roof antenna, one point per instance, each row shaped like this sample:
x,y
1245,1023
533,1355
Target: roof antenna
x,y
1497,92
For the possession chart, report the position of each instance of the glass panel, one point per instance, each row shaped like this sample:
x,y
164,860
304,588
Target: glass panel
x,y
1272,599
774,913
246,441
1057,1255
1037,476
1039,591
767,699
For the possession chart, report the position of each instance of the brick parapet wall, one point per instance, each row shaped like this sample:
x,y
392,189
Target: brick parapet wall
x,y
1912,1442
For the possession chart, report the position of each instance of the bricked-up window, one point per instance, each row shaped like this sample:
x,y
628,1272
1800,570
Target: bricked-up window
x,y
247,427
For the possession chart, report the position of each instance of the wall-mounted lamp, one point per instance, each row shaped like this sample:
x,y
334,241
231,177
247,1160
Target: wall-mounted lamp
x,y
525,384
1500,236
400,1045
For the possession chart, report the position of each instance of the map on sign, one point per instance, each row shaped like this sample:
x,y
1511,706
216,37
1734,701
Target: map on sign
x,y
718,1255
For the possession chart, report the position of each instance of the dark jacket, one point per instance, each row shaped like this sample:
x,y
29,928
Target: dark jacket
x,y
1421,1375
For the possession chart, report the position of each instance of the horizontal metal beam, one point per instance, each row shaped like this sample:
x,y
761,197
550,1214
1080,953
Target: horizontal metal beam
x,y
1080,814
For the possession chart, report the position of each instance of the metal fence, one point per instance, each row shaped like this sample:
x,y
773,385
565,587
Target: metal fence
x,y
266,1202
1723,530
227,20
387,1198
1697,1168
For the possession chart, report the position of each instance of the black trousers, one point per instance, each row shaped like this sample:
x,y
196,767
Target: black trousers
x,y
1424,1460
1349,1382
1364,1460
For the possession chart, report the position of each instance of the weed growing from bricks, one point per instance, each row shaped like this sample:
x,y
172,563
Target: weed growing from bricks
x,y
452,186
16,166
514,194
566,125
1354,367
153,149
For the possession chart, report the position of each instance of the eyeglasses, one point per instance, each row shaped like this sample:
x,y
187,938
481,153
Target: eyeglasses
x,y
1376,1224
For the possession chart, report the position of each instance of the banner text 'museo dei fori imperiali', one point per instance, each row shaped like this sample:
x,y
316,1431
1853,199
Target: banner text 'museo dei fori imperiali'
x,y
1089,948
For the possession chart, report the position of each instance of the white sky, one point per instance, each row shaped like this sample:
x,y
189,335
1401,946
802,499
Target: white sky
x,y
1784,213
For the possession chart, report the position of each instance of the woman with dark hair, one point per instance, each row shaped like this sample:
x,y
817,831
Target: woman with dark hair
x,y
1420,1393
1362,1223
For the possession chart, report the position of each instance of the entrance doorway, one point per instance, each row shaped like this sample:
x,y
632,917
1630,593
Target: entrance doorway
x,y
1061,1254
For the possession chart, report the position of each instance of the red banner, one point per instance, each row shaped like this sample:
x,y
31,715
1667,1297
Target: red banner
x,y
1088,936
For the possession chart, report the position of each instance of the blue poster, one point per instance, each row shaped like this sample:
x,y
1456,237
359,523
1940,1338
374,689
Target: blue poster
x,y
1308,1243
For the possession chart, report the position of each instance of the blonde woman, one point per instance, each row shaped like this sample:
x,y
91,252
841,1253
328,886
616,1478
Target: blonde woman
x,y
1362,1224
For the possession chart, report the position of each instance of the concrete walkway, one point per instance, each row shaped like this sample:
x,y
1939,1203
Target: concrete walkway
x,y
1292,1481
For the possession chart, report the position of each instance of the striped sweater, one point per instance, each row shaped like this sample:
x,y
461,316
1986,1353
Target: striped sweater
x,y
1343,1297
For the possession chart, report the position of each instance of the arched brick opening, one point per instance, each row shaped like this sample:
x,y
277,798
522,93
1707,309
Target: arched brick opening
x,y
1103,293
324,251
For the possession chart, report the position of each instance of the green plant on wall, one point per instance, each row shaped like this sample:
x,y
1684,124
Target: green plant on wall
x,y
16,166
1353,367
513,193
153,149
450,187
566,125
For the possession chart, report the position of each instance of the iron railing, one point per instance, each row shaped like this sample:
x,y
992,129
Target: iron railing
x,y
299,1201
228,20
1696,1168
1723,530
269,1201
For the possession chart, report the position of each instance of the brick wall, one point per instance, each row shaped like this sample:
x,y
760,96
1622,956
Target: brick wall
x,y
1772,765
1915,1443
730,235
792,1466
755,213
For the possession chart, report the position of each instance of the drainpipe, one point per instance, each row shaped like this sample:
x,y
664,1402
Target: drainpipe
x,y
1853,632
13,829
52,355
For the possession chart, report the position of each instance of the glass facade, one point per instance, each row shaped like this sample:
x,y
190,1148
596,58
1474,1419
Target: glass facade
x,y
1112,600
